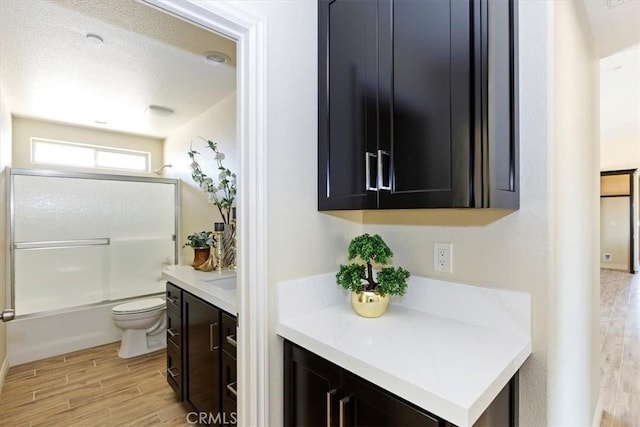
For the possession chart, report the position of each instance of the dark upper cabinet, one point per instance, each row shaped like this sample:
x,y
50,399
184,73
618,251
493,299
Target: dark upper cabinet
x,y
417,104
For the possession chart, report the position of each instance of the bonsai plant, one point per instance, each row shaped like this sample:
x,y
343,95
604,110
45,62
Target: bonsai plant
x,y
369,294
201,243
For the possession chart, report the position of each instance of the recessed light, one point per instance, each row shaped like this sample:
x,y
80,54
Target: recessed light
x,y
94,38
101,122
216,58
619,67
159,111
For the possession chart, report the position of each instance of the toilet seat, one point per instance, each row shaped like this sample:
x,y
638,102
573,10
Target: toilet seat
x,y
140,306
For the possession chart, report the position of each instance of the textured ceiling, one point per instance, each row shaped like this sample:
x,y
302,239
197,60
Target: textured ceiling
x,y
49,70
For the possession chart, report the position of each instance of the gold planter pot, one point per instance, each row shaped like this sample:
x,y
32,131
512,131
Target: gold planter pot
x,y
369,304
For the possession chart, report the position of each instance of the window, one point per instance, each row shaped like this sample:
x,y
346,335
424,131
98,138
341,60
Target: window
x,y
65,153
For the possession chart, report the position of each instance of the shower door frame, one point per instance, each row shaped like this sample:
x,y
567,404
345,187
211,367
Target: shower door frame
x,y
13,172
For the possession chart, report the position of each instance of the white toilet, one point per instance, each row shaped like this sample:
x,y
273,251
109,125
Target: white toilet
x,y
144,326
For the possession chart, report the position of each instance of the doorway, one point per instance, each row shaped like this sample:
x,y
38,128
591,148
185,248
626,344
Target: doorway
x,y
618,249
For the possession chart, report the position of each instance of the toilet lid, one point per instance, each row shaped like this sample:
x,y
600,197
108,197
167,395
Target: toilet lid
x,y
139,306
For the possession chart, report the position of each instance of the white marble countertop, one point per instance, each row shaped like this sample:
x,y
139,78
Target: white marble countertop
x,y
215,287
446,347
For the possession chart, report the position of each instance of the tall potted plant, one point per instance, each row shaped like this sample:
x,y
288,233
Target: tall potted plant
x,y
222,193
369,294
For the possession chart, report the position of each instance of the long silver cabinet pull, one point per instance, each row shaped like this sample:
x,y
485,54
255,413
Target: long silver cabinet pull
x,y
232,388
212,347
232,340
381,185
172,372
172,300
329,395
343,404
172,332
367,166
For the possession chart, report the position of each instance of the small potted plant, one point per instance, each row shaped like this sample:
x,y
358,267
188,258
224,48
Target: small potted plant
x,y
201,243
370,298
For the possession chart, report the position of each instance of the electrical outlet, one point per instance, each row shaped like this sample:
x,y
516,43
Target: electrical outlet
x,y
607,257
443,257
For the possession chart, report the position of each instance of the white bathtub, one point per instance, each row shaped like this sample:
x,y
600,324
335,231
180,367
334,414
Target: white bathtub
x,y
46,335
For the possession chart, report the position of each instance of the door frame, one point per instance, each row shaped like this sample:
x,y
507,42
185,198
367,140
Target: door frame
x,y
234,21
632,234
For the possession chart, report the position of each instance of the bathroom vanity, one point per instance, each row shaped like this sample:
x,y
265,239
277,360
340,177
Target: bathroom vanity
x,y
201,340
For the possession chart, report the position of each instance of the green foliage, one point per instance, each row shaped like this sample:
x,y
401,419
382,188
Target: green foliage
x,y
200,240
222,192
370,248
350,277
392,281
359,278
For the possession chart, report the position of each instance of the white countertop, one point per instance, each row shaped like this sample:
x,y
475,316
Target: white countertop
x,y
215,287
446,347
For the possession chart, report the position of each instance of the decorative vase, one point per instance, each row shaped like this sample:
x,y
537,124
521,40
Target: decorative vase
x,y
228,242
200,256
369,303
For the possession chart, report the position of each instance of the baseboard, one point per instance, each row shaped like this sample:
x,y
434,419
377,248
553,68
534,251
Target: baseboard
x,y
597,416
610,266
3,372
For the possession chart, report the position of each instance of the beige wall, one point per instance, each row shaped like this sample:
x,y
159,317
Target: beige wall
x,y
24,129
614,232
5,161
623,153
216,124
574,296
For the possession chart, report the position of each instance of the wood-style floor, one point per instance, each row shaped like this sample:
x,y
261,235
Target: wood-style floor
x,y
92,387
620,359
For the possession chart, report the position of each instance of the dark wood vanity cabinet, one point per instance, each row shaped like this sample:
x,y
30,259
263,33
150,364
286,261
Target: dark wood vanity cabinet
x,y
417,104
201,355
320,393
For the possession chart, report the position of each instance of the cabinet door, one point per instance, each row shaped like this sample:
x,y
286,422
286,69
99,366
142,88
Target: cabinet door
x,y
310,389
425,103
201,324
366,405
347,104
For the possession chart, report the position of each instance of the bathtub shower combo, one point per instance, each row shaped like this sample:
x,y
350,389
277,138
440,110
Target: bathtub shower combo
x,y
85,248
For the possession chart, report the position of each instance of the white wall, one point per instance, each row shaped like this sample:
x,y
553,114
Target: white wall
x,y
574,325
5,161
302,241
24,129
217,124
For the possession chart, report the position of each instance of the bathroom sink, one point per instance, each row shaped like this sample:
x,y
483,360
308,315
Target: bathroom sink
x,y
226,284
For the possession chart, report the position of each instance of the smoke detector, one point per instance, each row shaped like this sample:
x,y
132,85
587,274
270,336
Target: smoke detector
x,y
216,58
614,3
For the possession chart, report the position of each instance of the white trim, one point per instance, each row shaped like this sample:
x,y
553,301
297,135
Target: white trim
x,y
597,416
249,31
3,372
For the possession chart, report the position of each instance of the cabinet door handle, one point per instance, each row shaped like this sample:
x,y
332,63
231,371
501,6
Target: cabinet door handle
x,y
231,340
329,395
381,185
232,388
172,372
173,332
367,167
212,346
172,300
343,404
